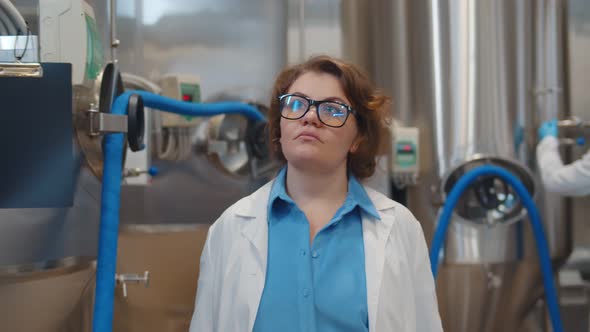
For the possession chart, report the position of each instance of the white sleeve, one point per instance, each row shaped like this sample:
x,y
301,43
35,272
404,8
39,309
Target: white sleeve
x,y
569,180
205,310
428,317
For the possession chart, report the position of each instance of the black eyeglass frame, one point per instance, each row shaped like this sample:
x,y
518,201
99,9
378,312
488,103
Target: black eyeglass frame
x,y
316,103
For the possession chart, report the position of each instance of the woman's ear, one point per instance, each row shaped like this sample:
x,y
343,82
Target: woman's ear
x,y
355,144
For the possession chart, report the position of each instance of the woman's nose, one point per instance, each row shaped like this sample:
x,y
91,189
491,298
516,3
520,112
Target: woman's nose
x,y
311,117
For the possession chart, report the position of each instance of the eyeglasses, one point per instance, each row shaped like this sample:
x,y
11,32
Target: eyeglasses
x,y
329,112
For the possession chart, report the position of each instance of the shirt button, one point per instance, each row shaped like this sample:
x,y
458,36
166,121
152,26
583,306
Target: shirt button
x,y
315,254
305,292
302,252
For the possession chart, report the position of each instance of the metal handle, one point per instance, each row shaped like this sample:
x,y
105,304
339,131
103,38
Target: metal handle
x,y
580,141
573,122
124,278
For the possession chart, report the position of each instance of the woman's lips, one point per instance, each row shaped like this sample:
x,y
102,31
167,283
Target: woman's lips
x,y
308,136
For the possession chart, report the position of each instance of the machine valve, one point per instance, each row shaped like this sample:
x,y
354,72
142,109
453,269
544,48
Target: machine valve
x,y
124,278
131,172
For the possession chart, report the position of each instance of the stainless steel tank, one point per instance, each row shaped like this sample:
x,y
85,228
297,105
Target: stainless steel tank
x,y
476,77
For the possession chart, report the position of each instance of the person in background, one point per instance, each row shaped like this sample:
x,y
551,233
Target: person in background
x,y
567,180
314,249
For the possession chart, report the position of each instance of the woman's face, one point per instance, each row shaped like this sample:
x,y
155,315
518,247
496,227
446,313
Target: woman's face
x,y
309,143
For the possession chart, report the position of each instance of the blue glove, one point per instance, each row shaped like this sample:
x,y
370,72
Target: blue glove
x,y
548,128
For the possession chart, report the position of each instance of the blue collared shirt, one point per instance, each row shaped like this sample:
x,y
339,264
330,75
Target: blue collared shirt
x,y
319,287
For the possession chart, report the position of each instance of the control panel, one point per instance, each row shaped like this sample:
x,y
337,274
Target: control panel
x,y
405,161
180,87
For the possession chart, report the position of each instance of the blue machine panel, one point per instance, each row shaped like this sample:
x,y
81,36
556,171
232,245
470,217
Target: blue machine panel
x,y
36,140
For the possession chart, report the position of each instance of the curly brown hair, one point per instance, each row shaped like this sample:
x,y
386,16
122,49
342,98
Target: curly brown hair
x,y
373,115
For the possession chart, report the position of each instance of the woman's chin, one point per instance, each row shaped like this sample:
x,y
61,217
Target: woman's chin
x,y
305,159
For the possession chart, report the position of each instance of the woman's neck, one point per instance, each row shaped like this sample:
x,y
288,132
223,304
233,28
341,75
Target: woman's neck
x,y
306,187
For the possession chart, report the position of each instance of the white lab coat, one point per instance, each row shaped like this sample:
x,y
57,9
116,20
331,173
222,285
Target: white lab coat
x,y
400,288
569,180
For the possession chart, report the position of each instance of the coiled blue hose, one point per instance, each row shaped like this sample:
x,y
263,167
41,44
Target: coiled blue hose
x,y
537,226
111,190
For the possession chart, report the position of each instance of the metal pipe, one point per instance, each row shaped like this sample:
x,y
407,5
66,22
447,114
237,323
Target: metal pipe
x,y
5,21
573,122
16,17
301,30
114,41
3,29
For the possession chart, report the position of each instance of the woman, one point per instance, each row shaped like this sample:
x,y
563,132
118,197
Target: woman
x,y
314,250
567,180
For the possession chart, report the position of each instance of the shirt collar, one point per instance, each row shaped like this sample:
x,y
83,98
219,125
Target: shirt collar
x,y
356,194
279,189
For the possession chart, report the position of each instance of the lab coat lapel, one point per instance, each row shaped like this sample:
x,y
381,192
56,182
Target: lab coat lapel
x,y
254,228
375,236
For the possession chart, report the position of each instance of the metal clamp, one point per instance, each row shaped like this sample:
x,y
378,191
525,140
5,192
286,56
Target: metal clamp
x,y
573,122
19,69
132,277
104,123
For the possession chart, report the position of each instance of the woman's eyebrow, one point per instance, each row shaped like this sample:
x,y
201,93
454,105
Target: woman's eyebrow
x,y
338,99
301,94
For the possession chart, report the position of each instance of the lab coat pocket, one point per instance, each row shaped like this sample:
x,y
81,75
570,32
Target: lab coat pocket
x,y
395,295
239,281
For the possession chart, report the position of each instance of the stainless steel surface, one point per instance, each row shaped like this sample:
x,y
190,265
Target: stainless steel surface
x,y
21,70
574,301
59,300
222,139
465,73
211,40
171,254
579,81
490,293
113,29
573,122
502,204
103,123
551,27
24,47
45,268
35,237
301,32
321,32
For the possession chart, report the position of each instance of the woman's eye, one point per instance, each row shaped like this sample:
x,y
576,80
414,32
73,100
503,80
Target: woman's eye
x,y
335,111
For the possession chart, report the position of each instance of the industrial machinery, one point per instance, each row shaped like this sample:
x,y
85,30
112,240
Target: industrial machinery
x,y
157,262
57,89
51,54
476,78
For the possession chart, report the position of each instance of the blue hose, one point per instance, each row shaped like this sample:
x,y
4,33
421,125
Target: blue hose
x,y
111,190
155,101
537,226
109,230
